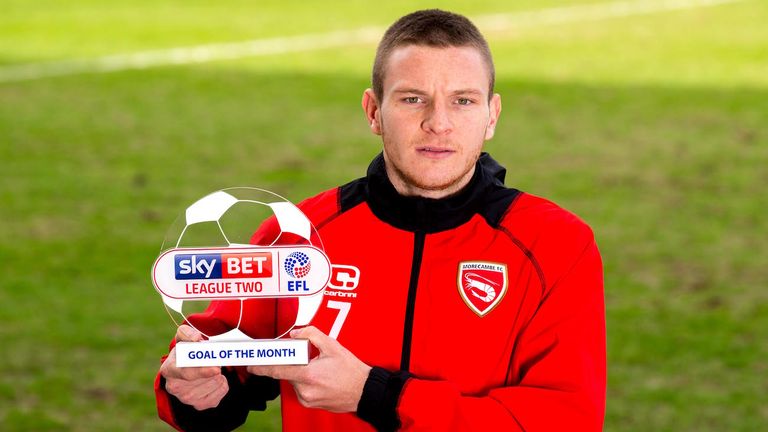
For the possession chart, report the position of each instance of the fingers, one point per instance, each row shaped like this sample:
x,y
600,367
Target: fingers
x,y
198,390
289,373
169,370
193,373
200,387
322,341
317,338
214,398
187,333
334,381
202,393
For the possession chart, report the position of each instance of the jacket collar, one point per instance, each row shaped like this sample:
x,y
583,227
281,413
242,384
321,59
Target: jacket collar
x,y
432,215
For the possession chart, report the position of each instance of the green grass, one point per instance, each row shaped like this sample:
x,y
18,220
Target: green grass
x,y
652,128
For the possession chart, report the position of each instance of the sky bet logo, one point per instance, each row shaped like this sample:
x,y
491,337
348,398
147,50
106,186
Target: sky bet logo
x,y
223,266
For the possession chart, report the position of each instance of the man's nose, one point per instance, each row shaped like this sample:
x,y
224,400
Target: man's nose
x,y
437,119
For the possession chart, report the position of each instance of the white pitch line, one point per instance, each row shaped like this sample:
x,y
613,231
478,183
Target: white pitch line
x,y
189,55
590,12
310,42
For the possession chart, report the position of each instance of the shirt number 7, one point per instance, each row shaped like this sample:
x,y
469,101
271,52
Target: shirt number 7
x,y
343,308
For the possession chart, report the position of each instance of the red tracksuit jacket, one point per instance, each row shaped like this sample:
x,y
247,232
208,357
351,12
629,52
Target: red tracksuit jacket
x,y
481,311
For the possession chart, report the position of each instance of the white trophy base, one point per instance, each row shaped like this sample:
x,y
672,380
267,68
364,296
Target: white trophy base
x,y
256,352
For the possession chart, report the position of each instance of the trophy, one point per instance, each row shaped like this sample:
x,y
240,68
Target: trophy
x,y
243,266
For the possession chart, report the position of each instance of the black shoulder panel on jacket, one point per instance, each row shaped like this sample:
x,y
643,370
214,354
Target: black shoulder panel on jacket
x,y
352,194
497,205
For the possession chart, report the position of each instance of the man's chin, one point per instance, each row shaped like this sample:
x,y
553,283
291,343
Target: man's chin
x,y
432,188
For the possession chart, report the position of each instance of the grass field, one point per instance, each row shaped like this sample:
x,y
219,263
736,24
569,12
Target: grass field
x,y
652,127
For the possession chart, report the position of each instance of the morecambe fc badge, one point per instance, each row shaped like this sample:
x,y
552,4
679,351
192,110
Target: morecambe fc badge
x,y
482,285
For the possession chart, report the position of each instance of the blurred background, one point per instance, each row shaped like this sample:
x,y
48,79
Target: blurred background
x,y
647,118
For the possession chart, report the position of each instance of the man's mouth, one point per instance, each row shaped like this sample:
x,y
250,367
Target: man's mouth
x,y
434,152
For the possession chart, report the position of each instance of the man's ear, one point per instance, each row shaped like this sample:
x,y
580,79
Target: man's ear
x,y
493,115
372,113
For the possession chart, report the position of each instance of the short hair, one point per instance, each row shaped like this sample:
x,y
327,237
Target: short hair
x,y
433,28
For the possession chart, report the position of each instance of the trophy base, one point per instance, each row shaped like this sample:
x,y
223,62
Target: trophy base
x,y
243,353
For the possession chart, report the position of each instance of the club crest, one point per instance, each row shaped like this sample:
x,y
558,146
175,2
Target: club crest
x,y
482,285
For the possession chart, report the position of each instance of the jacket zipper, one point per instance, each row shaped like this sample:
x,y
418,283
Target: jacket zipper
x,y
418,252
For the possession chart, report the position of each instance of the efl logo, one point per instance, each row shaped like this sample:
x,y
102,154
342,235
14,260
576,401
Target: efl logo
x,y
297,265
482,285
223,266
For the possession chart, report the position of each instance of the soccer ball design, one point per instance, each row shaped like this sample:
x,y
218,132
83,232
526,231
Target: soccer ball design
x,y
238,217
297,265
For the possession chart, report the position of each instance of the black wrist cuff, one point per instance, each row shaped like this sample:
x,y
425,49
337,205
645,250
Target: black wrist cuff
x,y
378,403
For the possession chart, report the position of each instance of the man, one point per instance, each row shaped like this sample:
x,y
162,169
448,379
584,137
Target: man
x,y
475,307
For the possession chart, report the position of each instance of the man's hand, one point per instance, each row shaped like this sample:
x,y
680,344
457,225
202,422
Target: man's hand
x,y
200,387
332,381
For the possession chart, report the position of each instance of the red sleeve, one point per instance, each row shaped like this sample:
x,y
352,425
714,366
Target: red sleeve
x,y
561,363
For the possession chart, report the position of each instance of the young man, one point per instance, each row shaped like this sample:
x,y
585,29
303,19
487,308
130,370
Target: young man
x,y
475,307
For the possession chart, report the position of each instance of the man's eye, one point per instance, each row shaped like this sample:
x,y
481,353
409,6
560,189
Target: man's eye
x,y
411,99
464,101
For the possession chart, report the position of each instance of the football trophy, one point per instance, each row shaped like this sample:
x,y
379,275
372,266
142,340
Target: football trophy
x,y
254,259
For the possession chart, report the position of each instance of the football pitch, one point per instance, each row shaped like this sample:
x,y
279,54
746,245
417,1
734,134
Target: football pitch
x,y
649,119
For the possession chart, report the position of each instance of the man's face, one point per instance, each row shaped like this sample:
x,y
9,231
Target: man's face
x,y
434,116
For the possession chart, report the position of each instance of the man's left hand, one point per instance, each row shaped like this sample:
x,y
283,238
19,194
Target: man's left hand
x,y
331,381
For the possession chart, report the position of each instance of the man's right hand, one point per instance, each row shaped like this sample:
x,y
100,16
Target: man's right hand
x,y
200,387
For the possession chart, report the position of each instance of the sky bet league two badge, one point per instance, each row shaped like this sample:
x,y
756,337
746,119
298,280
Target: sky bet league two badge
x,y
257,260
